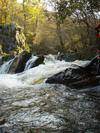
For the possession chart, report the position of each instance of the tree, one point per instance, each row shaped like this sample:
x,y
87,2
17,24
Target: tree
x,y
4,11
32,13
82,11
62,10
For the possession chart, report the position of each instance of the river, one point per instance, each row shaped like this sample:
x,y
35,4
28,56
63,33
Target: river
x,y
29,105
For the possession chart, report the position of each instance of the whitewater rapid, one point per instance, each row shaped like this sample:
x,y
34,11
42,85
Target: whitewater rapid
x,y
36,75
29,104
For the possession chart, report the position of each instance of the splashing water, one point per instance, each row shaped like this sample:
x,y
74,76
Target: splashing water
x,y
30,62
32,76
4,69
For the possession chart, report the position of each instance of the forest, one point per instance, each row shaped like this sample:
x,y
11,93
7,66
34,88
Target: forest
x,y
49,66
68,28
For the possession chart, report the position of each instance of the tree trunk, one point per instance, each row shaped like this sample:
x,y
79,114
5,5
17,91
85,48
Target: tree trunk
x,y
24,15
60,36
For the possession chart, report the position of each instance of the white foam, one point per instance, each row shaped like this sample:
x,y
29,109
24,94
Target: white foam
x,y
9,81
32,76
43,71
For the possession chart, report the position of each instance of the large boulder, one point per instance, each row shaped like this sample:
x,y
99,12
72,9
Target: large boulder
x,y
77,76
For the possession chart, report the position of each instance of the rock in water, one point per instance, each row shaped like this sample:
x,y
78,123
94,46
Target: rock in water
x,y
77,76
38,61
19,62
34,61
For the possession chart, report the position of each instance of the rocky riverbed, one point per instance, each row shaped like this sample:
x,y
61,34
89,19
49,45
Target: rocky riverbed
x,y
29,105
49,108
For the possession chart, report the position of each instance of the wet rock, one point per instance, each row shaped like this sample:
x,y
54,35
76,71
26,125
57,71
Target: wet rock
x,y
19,62
23,58
77,76
38,61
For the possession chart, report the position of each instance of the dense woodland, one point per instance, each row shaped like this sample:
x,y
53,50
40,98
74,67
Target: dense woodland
x,y
68,28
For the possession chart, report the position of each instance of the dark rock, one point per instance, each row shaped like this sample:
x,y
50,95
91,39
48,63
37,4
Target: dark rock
x,y
23,58
77,76
19,62
38,61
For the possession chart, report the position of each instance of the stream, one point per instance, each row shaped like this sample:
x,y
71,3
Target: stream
x,y
29,105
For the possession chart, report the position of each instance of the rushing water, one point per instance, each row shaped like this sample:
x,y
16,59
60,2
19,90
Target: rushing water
x,y
30,105
6,66
30,62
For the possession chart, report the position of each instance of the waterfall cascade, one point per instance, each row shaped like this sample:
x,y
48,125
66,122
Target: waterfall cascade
x,y
30,62
34,75
4,69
